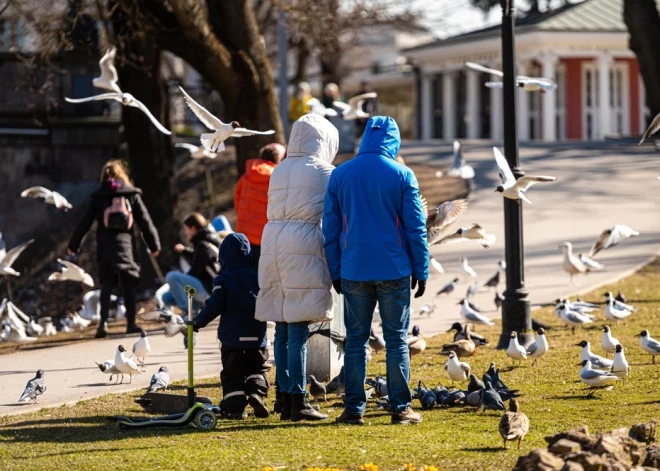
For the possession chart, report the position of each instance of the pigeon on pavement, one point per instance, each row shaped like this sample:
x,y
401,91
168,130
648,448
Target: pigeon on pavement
x,y
34,388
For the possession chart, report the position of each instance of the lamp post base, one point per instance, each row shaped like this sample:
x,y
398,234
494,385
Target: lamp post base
x,y
517,319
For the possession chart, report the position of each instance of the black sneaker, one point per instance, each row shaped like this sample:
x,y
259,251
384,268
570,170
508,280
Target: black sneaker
x,y
350,419
102,331
258,406
133,329
233,415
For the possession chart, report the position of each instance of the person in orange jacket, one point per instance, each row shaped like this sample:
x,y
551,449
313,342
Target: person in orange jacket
x,y
251,196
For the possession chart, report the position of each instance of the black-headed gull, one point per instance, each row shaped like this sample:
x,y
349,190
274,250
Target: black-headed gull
x,y
615,313
438,219
9,259
49,197
141,348
572,318
126,365
590,263
466,268
34,388
595,378
457,370
572,264
512,188
215,141
530,84
196,152
474,232
649,344
471,315
316,107
108,78
108,367
353,109
71,271
607,342
611,237
620,367
515,351
448,288
540,346
617,302
596,360
159,380
459,168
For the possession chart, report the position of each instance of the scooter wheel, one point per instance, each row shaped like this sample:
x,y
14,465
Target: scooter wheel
x,y
205,420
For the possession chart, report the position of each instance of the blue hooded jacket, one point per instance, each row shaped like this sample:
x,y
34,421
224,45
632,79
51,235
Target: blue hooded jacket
x,y
234,297
373,221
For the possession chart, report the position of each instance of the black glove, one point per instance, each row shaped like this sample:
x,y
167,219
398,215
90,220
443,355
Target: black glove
x,y
337,285
192,323
421,289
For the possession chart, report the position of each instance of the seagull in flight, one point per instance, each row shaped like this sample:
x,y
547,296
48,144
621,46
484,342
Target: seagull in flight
x,y
71,271
196,152
512,188
459,168
611,237
49,197
215,141
353,109
108,78
651,130
316,107
474,232
9,259
440,218
530,84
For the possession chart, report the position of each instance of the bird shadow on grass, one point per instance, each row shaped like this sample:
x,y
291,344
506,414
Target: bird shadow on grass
x,y
96,385
572,397
484,449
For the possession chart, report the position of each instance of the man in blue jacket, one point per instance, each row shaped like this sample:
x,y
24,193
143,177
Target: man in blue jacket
x,y
244,351
375,243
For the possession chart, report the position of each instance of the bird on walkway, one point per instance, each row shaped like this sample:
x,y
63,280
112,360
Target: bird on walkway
x,y
458,167
529,84
108,367
499,299
34,329
472,290
649,344
651,130
571,264
428,309
448,288
501,266
47,324
515,351
493,281
416,343
466,268
17,335
49,197
141,348
76,322
215,141
125,365
462,348
10,257
620,366
612,237
491,399
592,265
353,109
572,318
317,389
196,152
512,188
607,342
540,346
71,271
473,232
457,370
595,378
91,308
514,424
437,266
461,332
618,303
441,217
34,388
614,313
316,107
472,315
596,360
159,380
475,384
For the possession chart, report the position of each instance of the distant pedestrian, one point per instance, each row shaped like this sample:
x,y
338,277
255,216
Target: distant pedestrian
x,y
330,95
298,103
251,196
115,206
370,105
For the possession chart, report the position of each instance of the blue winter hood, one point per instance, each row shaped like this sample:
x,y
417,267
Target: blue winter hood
x,y
235,250
381,136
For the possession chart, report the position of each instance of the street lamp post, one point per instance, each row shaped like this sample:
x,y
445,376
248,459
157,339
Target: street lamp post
x,y
515,308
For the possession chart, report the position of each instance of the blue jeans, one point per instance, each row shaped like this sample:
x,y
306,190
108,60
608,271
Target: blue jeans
x,y
176,296
393,299
290,348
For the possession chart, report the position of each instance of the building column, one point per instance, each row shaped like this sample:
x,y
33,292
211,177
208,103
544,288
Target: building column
x,y
604,109
474,121
448,106
522,99
496,114
548,64
427,107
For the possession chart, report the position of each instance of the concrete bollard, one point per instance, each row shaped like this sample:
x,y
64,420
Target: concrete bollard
x,y
323,357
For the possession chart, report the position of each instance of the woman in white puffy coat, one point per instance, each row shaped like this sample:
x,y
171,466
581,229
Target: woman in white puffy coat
x,y
294,279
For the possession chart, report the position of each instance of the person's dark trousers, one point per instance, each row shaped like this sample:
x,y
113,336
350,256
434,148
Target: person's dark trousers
x,y
243,375
256,254
127,282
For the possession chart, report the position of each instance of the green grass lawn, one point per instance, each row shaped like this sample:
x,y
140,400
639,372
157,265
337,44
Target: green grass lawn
x,y
80,437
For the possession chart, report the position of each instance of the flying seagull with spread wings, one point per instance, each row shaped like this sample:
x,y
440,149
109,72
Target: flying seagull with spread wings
x,y
512,188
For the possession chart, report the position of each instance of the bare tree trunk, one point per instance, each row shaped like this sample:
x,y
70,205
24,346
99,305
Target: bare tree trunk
x,y
330,59
643,22
302,60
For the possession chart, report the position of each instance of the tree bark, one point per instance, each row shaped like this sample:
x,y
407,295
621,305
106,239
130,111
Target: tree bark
x,y
643,22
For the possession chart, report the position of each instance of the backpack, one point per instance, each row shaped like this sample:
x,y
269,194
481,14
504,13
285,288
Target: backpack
x,y
118,216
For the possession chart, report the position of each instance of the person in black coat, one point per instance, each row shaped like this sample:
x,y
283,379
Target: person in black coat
x,y
116,207
202,258
243,339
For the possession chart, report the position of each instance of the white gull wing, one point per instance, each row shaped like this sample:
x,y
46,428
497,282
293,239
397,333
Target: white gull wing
x,y
611,237
108,78
343,107
36,192
523,183
84,276
190,147
482,68
61,202
14,253
242,132
202,113
135,103
441,217
508,180
102,96
357,101
652,129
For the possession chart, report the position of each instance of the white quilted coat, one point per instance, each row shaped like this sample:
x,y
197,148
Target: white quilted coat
x,y
294,279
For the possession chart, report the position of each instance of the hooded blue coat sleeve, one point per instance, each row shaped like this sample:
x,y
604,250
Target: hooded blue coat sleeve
x,y
414,225
213,307
332,227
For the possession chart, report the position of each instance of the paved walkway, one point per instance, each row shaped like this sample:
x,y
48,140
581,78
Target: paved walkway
x,y
598,186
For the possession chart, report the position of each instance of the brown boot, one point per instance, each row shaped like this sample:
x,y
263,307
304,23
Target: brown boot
x,y
407,416
350,419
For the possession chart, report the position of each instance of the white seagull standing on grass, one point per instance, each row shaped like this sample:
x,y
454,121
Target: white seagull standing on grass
x,y
353,109
607,342
515,351
611,237
530,84
649,344
215,141
540,346
595,378
49,197
71,271
512,188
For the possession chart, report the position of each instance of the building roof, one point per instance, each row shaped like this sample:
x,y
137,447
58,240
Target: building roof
x,y
587,16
